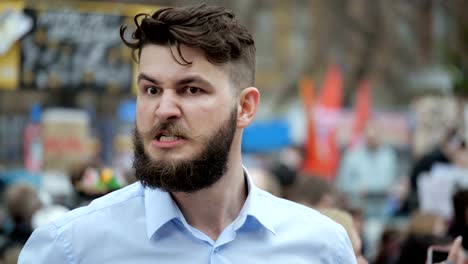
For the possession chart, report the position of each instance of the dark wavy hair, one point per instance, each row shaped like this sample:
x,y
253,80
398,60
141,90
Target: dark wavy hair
x,y
212,29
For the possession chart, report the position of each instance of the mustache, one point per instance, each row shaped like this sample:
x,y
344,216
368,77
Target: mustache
x,y
169,127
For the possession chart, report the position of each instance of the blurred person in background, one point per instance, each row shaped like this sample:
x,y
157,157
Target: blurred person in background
x,y
82,195
319,194
448,152
22,202
358,220
424,230
345,219
314,192
459,224
367,173
91,180
287,167
389,247
194,202
11,254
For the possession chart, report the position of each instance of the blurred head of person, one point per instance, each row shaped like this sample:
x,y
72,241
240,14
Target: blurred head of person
x,y
371,135
195,95
389,246
454,147
22,202
265,181
424,230
314,192
287,165
77,173
460,156
345,219
292,156
11,254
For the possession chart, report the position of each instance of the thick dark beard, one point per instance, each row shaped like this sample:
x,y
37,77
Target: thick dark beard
x,y
191,175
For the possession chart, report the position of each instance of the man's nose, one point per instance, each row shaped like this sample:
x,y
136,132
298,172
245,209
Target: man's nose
x,y
168,107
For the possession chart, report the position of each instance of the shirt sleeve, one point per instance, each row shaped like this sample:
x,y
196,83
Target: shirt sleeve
x,y
345,249
45,247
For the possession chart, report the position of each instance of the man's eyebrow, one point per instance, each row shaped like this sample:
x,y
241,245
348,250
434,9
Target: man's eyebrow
x,y
143,76
193,79
183,81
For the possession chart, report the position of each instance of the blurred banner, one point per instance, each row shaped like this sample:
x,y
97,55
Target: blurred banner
x,y
266,136
436,189
73,47
394,128
10,32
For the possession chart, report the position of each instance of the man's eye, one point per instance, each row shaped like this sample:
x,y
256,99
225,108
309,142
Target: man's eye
x,y
193,90
152,90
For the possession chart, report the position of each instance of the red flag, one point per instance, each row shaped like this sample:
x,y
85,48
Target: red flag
x,y
323,161
307,93
362,112
332,88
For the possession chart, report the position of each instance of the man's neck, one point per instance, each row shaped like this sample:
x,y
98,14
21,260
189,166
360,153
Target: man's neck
x,y
212,209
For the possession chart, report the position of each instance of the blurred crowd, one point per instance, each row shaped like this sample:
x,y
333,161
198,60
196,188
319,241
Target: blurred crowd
x,y
379,209
393,203
387,222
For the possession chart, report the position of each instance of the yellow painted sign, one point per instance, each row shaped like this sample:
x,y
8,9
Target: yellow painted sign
x,y
10,62
66,52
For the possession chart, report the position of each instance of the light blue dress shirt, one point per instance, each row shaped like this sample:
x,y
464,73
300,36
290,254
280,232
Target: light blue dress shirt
x,y
368,170
137,225
371,172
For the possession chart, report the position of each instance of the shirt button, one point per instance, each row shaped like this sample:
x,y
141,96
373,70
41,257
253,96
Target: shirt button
x,y
216,250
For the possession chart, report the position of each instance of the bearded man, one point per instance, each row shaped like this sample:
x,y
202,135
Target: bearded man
x,y
194,202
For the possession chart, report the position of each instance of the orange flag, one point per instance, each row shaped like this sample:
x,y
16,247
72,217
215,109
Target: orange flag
x,y
322,152
362,112
331,96
307,93
328,113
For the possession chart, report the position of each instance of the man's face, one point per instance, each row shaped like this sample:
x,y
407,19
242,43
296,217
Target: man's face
x,y
186,120
371,134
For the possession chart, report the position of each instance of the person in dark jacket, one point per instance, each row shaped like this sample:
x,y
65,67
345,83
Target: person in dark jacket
x,y
445,153
459,225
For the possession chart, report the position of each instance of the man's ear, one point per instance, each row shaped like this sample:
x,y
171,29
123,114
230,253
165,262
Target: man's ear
x,y
247,106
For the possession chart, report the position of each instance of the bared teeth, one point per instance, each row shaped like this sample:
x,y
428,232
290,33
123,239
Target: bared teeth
x,y
165,138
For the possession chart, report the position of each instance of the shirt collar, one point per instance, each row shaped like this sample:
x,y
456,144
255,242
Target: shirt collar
x,y
160,208
257,205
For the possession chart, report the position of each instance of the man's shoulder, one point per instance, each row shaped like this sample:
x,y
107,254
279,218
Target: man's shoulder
x,y
103,207
292,213
91,229
300,225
